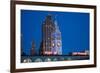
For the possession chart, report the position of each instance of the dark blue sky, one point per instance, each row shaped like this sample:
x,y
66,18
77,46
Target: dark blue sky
x,y
74,28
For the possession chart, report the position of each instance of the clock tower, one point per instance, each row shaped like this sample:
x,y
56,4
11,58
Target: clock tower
x,y
51,37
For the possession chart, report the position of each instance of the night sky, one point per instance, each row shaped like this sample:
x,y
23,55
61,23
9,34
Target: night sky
x,y
74,27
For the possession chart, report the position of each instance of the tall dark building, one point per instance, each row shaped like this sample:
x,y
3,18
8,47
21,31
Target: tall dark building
x,y
33,51
51,37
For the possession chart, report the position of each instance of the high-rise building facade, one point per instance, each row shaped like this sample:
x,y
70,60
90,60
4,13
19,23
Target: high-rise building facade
x,y
56,41
51,37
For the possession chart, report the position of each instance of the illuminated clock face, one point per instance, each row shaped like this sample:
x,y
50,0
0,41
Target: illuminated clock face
x,y
53,44
58,44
